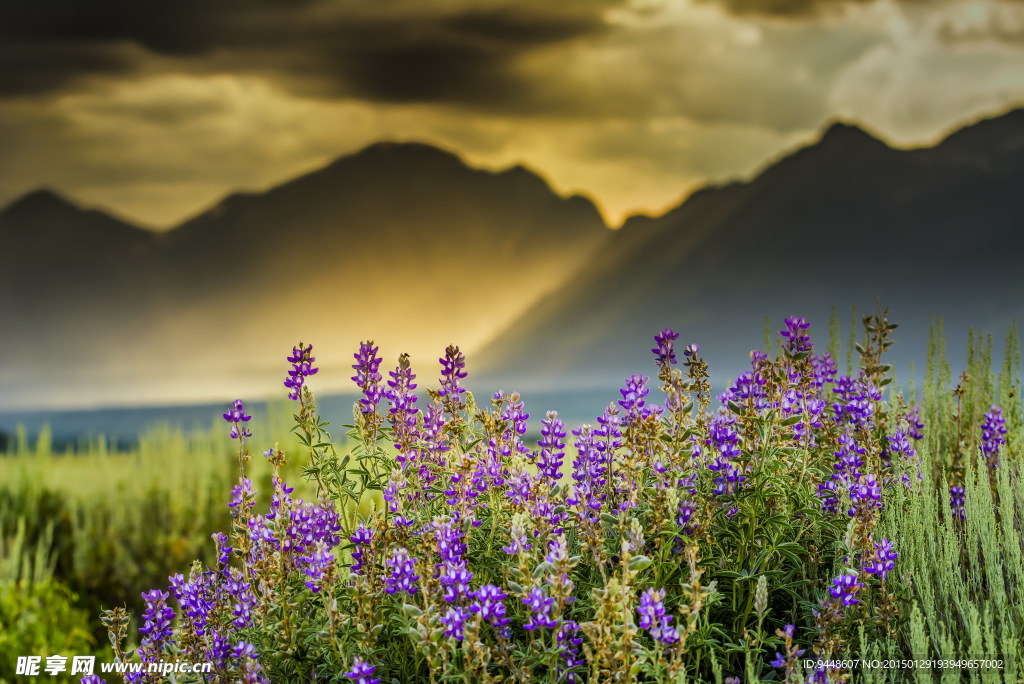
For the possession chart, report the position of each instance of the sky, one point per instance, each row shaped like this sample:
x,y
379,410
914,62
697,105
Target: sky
x,y
154,110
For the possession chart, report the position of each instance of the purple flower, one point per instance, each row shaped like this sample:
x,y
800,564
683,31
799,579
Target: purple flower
x,y
453,367
362,672
316,565
692,350
916,425
489,602
310,523
653,617
883,560
361,537
664,349
519,543
245,601
993,431
569,641
633,402
402,413
956,502
454,622
156,620
368,377
220,540
242,496
196,599
845,587
403,577
724,440
302,367
92,679
552,447
798,339
249,664
540,609
236,416
865,495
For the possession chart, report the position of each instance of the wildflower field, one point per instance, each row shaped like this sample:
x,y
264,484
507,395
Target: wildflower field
x,y
806,525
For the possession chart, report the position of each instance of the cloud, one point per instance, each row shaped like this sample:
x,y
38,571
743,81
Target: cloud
x,y
442,51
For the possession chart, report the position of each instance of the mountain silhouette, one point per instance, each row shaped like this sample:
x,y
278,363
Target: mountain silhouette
x,y
845,221
403,243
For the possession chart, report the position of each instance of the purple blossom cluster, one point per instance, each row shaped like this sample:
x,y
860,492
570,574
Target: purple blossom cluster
x,y
654,619
883,560
993,436
724,440
797,340
403,575
552,447
302,367
238,417
539,605
362,672
845,588
368,377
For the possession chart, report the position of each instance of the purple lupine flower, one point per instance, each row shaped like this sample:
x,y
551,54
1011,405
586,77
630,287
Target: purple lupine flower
x,y
237,417
302,367
280,497
220,540
956,502
724,440
664,349
363,536
748,389
552,447
692,350
453,367
568,639
633,402
883,560
845,587
249,664
653,617
452,569
368,377
540,609
865,495
219,651
798,339
856,401
362,672
244,599
403,577
308,524
156,620
686,511
993,431
92,679
454,622
243,497
316,564
825,370
916,425
519,543
402,413
489,601
196,598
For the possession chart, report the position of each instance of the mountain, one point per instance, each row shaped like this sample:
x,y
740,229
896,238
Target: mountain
x,y
401,242
845,221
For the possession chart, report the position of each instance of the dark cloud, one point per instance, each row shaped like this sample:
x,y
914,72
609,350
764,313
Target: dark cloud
x,y
447,51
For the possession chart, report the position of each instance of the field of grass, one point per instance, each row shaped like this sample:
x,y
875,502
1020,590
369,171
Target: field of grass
x,y
586,560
